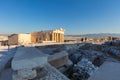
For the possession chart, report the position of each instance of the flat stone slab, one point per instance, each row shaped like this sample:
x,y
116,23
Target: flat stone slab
x,y
108,71
28,58
58,59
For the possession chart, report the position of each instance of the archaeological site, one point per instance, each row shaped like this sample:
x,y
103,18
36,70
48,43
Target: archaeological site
x,y
59,39
44,55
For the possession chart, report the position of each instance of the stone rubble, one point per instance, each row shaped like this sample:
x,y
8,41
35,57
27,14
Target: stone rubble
x,y
89,57
83,69
31,64
59,59
53,74
74,61
25,62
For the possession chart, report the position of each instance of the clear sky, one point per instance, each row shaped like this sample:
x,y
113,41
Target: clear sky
x,y
75,16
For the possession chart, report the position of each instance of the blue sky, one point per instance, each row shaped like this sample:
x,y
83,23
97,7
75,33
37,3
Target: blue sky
x,y
75,16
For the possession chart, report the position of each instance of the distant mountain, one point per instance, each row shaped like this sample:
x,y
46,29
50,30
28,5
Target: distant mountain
x,y
4,34
97,35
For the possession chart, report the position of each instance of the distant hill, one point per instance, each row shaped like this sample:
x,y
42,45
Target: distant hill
x,y
96,35
4,34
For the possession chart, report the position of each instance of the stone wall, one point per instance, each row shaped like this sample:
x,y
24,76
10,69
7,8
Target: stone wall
x,y
3,38
19,39
13,39
38,37
24,38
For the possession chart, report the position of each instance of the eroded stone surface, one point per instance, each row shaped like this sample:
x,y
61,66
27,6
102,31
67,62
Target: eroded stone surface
x,y
83,69
108,71
58,59
25,62
27,73
28,58
53,74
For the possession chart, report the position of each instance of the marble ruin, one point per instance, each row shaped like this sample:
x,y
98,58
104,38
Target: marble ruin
x,y
25,61
31,63
3,40
55,60
19,39
48,36
71,61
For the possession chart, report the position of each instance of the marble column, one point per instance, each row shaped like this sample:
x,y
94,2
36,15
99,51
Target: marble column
x,y
52,36
57,37
62,38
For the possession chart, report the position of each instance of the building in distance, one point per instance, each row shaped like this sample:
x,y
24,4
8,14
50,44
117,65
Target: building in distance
x,y
48,36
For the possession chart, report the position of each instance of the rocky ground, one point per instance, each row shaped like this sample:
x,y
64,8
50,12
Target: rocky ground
x,y
5,62
86,60
50,73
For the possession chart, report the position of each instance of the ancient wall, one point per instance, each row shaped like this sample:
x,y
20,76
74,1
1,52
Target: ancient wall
x,y
3,38
13,39
19,39
4,43
24,39
38,37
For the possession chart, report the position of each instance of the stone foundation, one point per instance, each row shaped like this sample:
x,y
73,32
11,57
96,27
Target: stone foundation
x,y
31,64
25,61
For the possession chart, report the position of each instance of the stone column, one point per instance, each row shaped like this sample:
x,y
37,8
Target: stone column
x,y
59,37
52,36
62,38
56,37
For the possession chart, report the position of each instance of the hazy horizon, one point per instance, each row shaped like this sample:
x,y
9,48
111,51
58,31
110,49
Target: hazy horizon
x,y
75,16
74,34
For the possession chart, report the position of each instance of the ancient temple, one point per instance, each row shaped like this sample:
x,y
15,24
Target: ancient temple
x,y
48,36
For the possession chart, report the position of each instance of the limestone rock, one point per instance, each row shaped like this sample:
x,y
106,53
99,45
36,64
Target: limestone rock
x,y
27,73
59,59
28,58
83,69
